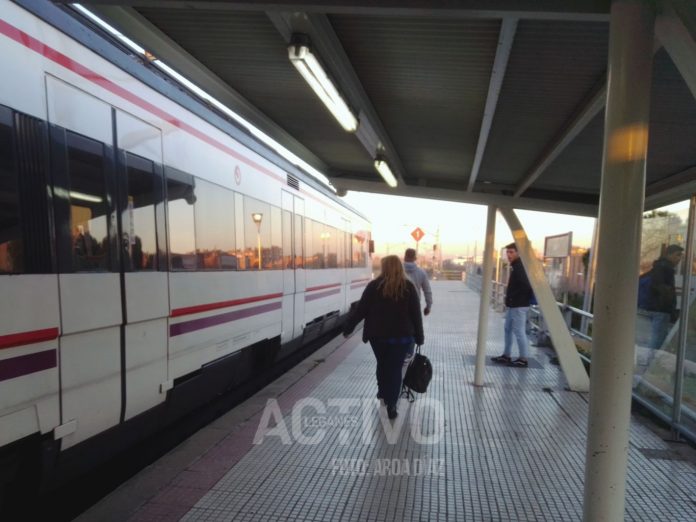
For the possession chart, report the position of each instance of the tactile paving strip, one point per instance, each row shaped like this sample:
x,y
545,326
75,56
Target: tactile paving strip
x,y
512,450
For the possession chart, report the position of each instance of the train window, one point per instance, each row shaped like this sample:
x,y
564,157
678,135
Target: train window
x,y
88,204
359,250
344,256
215,241
181,197
257,234
339,246
139,240
288,254
276,257
11,247
314,253
298,241
308,241
330,243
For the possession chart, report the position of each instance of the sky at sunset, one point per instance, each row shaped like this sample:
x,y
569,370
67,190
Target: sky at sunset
x,y
462,226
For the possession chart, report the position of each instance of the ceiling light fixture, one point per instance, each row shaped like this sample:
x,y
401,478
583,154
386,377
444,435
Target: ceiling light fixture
x,y
217,104
383,168
311,70
85,197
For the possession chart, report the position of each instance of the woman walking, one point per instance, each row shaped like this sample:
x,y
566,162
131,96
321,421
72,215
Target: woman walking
x,y
393,325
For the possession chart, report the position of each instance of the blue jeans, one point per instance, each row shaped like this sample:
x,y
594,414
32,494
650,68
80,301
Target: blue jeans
x,y
515,323
659,326
390,360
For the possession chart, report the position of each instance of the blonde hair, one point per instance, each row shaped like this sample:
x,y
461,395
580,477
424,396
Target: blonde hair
x,y
394,282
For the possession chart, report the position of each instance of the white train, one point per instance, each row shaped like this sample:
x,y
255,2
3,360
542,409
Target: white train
x,y
151,254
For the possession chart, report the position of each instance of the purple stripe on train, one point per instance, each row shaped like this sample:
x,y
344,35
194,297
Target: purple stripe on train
x,y
322,294
26,364
207,322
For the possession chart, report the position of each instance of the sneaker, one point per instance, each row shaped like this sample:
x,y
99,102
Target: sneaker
x,y
501,359
519,363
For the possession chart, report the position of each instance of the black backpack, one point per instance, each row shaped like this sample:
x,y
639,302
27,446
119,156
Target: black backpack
x,y
418,376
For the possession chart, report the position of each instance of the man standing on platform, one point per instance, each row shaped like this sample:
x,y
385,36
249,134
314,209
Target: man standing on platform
x,y
660,300
419,278
518,297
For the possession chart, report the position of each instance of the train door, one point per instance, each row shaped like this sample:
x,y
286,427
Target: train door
x,y
144,284
300,276
82,157
287,220
29,313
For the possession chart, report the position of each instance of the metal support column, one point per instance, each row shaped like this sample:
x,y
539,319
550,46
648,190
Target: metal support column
x,y
620,221
684,319
590,280
568,356
485,304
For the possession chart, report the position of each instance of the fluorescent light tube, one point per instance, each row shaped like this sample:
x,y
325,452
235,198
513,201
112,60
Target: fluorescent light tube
x,y
384,171
313,73
292,158
85,197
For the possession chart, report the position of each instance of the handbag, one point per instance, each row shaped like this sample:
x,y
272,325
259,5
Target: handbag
x,y
418,376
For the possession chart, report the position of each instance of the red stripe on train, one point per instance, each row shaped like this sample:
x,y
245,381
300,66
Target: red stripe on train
x,y
56,56
36,336
222,304
70,64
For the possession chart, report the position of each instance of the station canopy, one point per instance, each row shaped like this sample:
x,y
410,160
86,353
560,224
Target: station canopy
x,y
484,101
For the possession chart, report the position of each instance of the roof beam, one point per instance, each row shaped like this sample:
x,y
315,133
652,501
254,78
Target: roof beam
x,y
572,10
680,44
505,39
582,118
140,30
671,189
463,196
371,132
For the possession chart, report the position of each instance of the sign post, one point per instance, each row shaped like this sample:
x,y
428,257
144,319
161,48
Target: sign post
x,y
417,234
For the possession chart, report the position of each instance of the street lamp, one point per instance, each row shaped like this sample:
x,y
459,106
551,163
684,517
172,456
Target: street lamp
x,y
257,217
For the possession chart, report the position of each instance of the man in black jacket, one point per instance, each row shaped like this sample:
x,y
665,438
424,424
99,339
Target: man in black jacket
x,y
662,297
518,296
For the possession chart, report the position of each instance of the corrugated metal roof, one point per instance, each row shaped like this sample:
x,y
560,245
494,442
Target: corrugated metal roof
x,y
421,79
672,141
246,51
428,80
553,67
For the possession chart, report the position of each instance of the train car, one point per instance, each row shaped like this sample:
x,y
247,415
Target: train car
x,y
152,254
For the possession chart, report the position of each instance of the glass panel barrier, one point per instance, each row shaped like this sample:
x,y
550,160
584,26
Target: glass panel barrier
x,y
687,411
659,298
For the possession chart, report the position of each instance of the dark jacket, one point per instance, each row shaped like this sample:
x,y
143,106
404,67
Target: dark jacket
x,y
663,296
519,291
386,318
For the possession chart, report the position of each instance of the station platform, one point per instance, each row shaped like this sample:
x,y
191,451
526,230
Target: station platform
x,y
513,450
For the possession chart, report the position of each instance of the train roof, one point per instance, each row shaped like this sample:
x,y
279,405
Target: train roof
x,y
109,48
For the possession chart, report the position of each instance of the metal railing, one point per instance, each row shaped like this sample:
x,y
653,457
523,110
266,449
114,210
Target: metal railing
x,y
583,335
